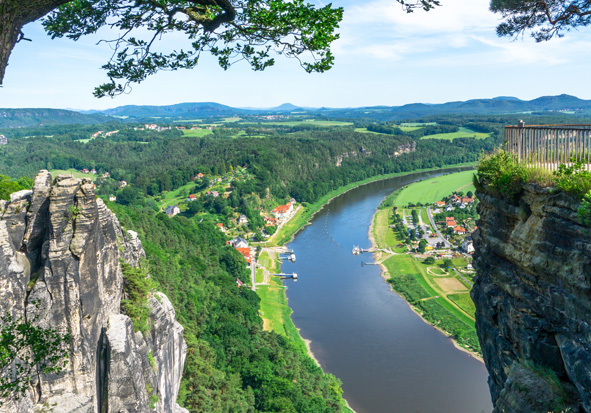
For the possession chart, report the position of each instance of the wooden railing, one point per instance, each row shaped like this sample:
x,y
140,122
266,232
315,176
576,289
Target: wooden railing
x,y
548,146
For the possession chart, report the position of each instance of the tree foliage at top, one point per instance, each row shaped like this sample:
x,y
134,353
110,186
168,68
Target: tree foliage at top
x,y
545,19
231,30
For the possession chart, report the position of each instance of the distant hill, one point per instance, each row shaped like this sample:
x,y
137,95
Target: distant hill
x,y
179,111
20,118
497,105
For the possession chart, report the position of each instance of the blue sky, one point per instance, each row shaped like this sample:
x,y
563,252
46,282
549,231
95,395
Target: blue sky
x,y
384,57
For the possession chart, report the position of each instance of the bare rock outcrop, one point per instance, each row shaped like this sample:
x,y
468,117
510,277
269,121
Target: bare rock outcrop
x,y
533,301
60,252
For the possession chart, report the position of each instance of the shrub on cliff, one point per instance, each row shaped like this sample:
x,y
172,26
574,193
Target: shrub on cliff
x,y
501,174
137,285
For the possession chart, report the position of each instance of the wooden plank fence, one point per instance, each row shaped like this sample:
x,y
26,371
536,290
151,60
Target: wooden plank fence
x,y
548,146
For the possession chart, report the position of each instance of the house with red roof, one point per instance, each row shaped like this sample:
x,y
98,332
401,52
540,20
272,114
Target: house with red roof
x,y
191,197
282,211
459,230
450,222
245,252
440,203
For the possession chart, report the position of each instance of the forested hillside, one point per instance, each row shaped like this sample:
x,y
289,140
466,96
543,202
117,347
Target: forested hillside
x,y
304,165
232,364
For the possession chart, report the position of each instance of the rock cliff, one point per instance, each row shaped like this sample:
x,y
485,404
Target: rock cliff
x,y
533,301
60,251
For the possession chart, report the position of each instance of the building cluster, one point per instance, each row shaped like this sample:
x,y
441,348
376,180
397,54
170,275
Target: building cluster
x,y
153,126
103,133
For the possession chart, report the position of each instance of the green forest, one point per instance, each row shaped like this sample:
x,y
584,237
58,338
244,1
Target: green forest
x,y
232,364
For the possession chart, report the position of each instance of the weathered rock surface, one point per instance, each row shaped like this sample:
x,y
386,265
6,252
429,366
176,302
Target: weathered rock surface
x,y
60,251
533,302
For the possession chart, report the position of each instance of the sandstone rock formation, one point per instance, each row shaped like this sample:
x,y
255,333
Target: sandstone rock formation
x,y
533,301
60,251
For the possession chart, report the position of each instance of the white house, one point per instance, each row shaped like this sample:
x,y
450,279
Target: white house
x,y
282,211
467,245
172,210
239,243
242,220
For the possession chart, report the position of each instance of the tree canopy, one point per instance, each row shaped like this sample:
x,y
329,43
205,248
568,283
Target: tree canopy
x,y
231,30
545,19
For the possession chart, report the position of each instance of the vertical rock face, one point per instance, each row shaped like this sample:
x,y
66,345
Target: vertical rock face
x,y
533,302
60,251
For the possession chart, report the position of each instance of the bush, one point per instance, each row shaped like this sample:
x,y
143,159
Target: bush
x,y
585,210
573,179
502,174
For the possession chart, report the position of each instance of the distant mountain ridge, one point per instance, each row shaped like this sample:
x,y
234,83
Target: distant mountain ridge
x,y
13,118
496,105
22,118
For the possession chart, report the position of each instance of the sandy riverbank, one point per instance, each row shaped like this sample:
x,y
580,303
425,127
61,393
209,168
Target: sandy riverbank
x,y
385,276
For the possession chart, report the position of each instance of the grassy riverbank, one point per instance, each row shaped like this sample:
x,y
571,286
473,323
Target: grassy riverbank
x,y
438,294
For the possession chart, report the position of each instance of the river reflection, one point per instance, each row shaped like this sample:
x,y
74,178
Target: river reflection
x,y
388,359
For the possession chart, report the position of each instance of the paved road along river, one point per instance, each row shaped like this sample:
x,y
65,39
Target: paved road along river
x,y
388,359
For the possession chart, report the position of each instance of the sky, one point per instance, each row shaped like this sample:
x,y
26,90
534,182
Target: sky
x,y
384,57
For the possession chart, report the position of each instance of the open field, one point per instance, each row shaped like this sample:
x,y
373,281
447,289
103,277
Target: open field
x,y
197,133
306,122
364,130
464,301
431,190
174,197
417,124
73,172
462,133
409,128
383,234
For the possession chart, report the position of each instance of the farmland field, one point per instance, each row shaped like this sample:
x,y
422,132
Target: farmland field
x,y
434,189
462,133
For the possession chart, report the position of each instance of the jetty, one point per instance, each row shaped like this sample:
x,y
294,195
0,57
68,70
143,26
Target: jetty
x,y
286,276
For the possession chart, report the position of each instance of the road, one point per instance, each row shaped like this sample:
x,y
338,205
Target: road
x,y
447,244
462,277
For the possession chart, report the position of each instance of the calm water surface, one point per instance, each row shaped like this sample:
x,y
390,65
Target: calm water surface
x,y
388,359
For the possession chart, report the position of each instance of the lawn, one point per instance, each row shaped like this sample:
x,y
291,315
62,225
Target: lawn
x,y
384,235
464,301
462,133
174,197
274,309
431,190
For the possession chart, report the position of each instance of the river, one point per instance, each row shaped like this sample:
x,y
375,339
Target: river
x,y
388,359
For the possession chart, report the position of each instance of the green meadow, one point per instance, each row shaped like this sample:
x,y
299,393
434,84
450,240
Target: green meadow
x,y
431,190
